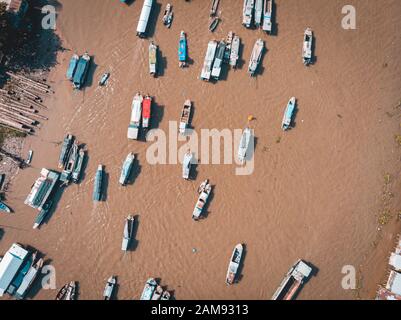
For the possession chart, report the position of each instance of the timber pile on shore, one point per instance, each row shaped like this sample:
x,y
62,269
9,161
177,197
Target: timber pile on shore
x,y
21,101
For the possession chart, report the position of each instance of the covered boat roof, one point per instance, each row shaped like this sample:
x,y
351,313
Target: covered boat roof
x,y
144,17
147,103
394,282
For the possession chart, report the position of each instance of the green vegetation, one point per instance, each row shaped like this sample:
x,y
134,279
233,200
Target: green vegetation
x,y
6,132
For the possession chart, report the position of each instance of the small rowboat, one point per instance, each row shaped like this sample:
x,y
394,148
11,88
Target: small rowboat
x,y
29,158
4,207
288,114
104,78
108,290
213,24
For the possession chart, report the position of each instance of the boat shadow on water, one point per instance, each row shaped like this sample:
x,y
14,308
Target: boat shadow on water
x,y
56,199
134,242
105,185
135,172
241,61
1,233
274,31
314,56
91,73
157,115
153,19
261,69
161,63
37,284
240,276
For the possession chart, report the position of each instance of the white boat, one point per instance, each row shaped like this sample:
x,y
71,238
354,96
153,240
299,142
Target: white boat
x,y
168,15
136,114
158,293
185,116
234,54
307,47
149,289
288,114
29,158
152,59
247,13
128,232
255,56
144,18
29,279
186,164
204,192
126,169
207,64
244,144
258,13
108,290
267,16
234,264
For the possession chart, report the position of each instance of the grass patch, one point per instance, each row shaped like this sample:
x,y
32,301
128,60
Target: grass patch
x,y
6,133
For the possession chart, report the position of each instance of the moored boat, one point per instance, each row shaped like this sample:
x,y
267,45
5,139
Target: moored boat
x,y
67,292
149,289
204,192
182,50
293,281
228,42
234,264
127,168
70,165
234,55
186,164
288,114
255,56
218,60
146,112
104,78
136,113
152,59
108,290
65,149
43,214
76,173
158,293
247,12
29,279
185,116
42,189
168,15
144,18
258,13
307,47
22,272
72,66
215,5
207,64
244,145
98,185
128,233
4,207
82,71
29,158
213,24
267,16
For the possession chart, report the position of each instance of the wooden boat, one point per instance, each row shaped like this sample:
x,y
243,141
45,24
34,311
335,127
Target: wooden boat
x,y
136,113
43,214
4,207
293,281
29,158
76,173
247,13
98,185
234,55
152,59
288,114
72,67
108,290
168,15
126,169
213,10
67,292
128,232
204,192
267,16
255,56
29,279
234,264
213,24
166,296
146,111
104,78
158,293
149,289
218,60
65,149
185,116
258,13
182,50
207,64
244,145
186,164
307,47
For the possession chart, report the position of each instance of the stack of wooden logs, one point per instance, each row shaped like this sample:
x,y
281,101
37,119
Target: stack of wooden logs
x,y
21,101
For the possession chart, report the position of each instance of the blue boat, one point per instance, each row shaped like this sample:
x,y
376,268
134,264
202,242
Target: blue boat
x,y
97,190
72,67
288,114
4,208
182,50
43,214
17,281
81,71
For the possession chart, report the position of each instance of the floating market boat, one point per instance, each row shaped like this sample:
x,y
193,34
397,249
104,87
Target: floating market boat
x,y
19,277
182,50
104,78
144,18
42,189
97,190
43,214
293,281
207,64
29,158
218,60
185,116
213,24
215,5
234,264
65,149
152,59
168,15
258,13
136,113
127,168
255,56
247,13
158,293
288,114
166,296
67,292
72,67
186,164
149,289
4,207
108,290
307,47
128,232
234,55
228,42
70,165
76,173
204,190
146,111
244,144
29,279
267,16
82,71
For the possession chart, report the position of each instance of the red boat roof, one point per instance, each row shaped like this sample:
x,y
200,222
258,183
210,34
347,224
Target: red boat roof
x,y
147,102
